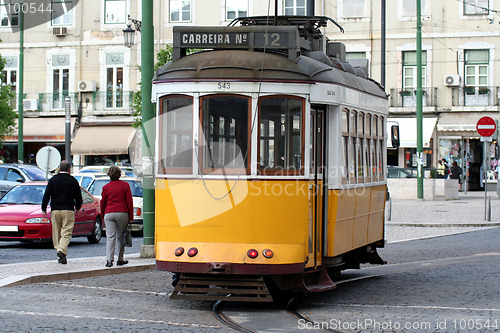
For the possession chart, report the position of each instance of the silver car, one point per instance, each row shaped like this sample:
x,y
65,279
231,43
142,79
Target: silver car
x,y
15,174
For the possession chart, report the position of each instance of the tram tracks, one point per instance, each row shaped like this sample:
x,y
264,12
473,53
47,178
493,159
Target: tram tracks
x,y
289,318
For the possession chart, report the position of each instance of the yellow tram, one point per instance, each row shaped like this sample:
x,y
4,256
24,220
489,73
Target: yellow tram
x,y
269,160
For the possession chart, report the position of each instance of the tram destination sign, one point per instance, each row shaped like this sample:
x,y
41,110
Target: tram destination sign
x,y
276,37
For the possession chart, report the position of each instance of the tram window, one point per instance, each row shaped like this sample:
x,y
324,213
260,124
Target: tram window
x,y
345,145
381,141
353,130
280,135
368,148
368,120
361,125
225,132
176,134
375,148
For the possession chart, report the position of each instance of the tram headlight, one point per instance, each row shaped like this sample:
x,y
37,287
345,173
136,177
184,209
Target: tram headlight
x,y
192,252
179,251
252,253
268,253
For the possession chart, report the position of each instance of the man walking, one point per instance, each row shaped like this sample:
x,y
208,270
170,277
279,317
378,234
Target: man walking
x,y
65,196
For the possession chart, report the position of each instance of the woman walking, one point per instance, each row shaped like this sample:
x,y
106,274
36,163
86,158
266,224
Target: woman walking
x,y
118,209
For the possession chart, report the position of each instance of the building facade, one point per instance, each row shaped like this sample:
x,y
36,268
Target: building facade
x,y
81,54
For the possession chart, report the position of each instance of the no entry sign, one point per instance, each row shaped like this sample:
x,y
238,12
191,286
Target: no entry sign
x,y
486,126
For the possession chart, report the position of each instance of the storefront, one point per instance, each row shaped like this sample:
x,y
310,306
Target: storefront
x,y
102,144
37,133
460,142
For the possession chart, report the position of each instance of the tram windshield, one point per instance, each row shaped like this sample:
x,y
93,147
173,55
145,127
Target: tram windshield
x,y
225,132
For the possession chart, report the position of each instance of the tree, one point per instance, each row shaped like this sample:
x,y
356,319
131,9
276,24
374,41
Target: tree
x,y
7,114
163,57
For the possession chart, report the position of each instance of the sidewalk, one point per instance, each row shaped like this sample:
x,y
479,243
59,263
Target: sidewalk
x,y
419,219
77,268
410,219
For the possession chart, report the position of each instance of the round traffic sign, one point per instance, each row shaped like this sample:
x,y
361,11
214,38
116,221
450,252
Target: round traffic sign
x,y
48,158
486,126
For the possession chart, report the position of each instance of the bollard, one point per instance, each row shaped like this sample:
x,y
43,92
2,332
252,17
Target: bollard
x,y
488,210
389,213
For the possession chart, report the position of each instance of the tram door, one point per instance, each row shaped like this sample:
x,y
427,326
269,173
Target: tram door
x,y
316,181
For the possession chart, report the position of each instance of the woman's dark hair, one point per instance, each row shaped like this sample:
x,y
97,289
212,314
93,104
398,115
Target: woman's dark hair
x,y
114,172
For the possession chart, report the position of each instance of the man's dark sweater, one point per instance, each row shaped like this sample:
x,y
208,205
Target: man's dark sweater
x,y
63,192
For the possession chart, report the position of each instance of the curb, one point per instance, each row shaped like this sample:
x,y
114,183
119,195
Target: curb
x,y
444,225
23,279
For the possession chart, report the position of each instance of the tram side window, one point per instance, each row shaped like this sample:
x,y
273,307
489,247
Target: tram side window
x,y
225,133
345,145
368,135
281,135
360,139
352,152
176,135
375,148
381,143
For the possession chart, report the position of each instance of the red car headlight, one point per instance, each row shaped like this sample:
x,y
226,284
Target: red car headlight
x,y
38,220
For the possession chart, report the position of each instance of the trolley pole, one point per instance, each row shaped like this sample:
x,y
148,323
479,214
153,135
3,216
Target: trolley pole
x,y
420,179
147,69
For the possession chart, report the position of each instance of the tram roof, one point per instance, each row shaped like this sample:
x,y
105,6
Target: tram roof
x,y
247,65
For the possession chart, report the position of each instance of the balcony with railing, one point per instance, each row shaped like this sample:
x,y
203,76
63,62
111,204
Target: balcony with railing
x,y
54,103
406,100
104,102
475,96
101,103
13,101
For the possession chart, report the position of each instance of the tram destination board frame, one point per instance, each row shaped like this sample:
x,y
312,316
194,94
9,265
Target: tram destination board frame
x,y
247,38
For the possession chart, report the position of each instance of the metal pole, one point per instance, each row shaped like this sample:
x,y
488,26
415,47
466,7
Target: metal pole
x,y
20,97
67,136
485,180
420,179
147,68
382,44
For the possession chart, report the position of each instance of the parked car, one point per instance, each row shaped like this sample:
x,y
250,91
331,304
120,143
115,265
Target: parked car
x,y
86,179
99,180
21,217
396,172
14,174
126,170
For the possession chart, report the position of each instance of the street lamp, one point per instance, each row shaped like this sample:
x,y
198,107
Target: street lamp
x,y
128,36
129,33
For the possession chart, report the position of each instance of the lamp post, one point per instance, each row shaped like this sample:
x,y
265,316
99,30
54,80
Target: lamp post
x,y
20,87
147,68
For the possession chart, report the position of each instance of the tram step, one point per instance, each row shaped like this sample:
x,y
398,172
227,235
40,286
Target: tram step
x,y
228,288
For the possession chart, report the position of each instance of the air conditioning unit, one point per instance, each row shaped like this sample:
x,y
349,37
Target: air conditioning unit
x,y
30,104
84,86
452,80
59,31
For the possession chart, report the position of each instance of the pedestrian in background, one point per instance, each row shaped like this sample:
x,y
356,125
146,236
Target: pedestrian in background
x,y
455,173
118,210
65,197
440,169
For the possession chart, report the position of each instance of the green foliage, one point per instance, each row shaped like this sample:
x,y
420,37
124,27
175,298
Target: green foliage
x,y
7,114
163,57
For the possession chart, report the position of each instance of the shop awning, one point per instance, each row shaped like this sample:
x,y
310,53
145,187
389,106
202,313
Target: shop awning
x,y
47,129
408,131
461,123
102,140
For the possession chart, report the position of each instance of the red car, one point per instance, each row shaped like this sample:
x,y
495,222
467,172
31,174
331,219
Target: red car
x,y
21,217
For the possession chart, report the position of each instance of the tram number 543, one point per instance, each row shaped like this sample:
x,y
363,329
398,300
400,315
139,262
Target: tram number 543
x,y
223,85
